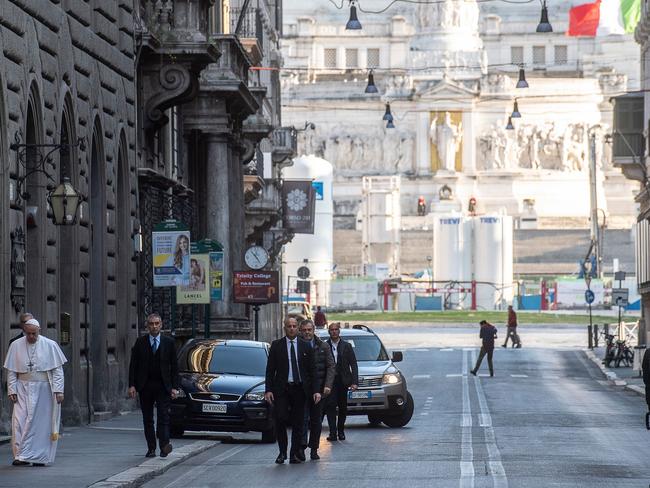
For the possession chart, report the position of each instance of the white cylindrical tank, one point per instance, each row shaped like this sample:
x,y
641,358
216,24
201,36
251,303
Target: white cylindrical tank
x,y
452,254
493,258
316,248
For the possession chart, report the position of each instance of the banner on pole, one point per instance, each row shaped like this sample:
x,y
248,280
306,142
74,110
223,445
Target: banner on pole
x,y
198,290
298,206
171,254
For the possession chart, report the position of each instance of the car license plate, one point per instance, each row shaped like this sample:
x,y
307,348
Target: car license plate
x,y
359,394
215,407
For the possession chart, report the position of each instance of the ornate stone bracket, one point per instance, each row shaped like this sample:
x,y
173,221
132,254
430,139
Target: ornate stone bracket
x,y
177,86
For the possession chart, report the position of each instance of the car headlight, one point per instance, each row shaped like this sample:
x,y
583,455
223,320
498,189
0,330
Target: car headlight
x,y
180,393
257,396
392,378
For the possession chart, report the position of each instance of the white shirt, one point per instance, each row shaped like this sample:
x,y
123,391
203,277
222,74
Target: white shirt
x,y
157,339
335,350
290,378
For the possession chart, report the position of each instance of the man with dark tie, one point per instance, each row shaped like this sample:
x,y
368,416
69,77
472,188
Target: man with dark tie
x,y
289,382
346,377
153,374
324,378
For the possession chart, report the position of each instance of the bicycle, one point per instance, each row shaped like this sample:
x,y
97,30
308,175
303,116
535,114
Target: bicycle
x,y
610,349
624,354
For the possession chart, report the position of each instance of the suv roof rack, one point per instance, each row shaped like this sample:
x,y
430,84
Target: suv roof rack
x,y
363,327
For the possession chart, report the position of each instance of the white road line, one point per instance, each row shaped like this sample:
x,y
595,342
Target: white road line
x,y
447,349
198,471
421,376
519,375
455,375
497,471
422,350
466,449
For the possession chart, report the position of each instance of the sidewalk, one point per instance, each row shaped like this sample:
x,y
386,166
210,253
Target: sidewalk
x,y
105,454
625,377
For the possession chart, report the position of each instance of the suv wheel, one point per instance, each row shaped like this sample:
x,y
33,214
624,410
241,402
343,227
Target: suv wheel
x,y
374,419
268,436
401,419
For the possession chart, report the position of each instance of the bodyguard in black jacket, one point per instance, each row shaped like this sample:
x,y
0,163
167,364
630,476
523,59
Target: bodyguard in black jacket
x,y
323,380
289,382
347,377
153,373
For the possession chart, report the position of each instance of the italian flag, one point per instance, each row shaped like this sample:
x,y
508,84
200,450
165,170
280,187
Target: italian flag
x,y
604,18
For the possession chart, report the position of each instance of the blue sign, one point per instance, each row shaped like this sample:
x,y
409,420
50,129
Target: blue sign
x,y
318,188
589,297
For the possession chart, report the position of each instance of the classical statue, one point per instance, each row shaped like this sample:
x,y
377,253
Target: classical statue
x,y
447,137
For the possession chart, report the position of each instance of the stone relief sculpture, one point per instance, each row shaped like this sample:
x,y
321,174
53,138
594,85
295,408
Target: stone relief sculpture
x,y
542,147
446,136
448,14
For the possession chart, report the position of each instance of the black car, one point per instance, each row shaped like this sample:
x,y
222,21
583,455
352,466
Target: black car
x,y
222,388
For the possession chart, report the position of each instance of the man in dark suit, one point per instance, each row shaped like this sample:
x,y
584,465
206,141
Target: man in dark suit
x,y
153,373
24,317
289,382
346,377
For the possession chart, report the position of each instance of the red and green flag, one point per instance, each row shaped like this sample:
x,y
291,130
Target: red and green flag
x,y
604,18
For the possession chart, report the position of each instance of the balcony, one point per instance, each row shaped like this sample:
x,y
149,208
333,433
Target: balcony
x,y
263,213
285,145
250,30
628,140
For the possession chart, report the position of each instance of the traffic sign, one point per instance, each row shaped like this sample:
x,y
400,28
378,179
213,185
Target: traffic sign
x,y
589,297
303,272
620,297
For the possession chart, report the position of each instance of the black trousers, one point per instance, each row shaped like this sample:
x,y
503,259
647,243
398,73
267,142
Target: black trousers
x,y
481,355
313,423
155,394
290,410
338,399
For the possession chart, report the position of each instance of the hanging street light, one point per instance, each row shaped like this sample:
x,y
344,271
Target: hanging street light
x,y
371,88
387,115
509,126
390,124
515,111
544,25
64,201
353,23
522,83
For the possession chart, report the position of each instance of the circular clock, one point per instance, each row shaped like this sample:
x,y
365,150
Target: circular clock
x,y
256,257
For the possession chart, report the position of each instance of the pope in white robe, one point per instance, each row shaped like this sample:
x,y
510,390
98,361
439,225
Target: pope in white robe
x,y
35,386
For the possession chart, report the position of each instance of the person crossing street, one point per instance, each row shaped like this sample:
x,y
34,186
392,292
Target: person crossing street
x,y
488,335
512,329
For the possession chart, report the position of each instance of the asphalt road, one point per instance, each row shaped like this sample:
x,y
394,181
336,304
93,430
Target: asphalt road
x,y
547,419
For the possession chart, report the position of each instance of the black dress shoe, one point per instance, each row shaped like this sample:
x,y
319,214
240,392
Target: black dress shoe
x,y
150,453
18,462
281,458
295,460
165,450
300,454
332,437
473,372
341,436
38,465
314,455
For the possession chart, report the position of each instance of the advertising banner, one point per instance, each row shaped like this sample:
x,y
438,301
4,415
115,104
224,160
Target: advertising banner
x,y
216,276
171,254
299,206
198,291
256,287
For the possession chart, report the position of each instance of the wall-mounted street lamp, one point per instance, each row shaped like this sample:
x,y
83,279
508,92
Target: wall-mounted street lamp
x,y
64,199
353,22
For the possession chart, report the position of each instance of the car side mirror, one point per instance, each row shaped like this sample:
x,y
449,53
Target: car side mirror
x,y
397,356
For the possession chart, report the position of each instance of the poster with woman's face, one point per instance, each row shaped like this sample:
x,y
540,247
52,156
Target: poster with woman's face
x,y
198,289
171,258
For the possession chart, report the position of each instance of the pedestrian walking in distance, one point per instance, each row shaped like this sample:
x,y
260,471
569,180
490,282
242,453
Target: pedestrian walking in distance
x,y
289,382
512,329
346,378
35,387
153,374
320,320
488,335
323,380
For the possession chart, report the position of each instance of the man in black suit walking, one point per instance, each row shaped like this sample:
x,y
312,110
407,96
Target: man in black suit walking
x,y
289,382
346,377
153,374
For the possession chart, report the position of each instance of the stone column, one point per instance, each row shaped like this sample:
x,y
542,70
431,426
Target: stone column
x,y
423,149
225,223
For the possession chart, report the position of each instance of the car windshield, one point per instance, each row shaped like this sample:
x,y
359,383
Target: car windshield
x,y
368,348
221,359
294,308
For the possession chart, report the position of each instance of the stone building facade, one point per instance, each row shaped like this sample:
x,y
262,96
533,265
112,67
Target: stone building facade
x,y
67,72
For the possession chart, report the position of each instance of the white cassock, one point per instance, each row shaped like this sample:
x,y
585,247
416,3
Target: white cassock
x,y
35,374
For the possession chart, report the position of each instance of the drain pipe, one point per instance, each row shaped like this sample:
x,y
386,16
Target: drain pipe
x,y
90,410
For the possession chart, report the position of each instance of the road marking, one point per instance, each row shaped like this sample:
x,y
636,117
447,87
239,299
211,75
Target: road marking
x,y
497,471
422,350
199,471
467,451
447,349
519,375
421,376
455,375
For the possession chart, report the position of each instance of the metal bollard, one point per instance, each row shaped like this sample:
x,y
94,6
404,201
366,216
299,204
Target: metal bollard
x,y
595,335
590,336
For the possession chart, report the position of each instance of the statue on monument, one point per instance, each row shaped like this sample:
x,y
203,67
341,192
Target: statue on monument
x,y
447,137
